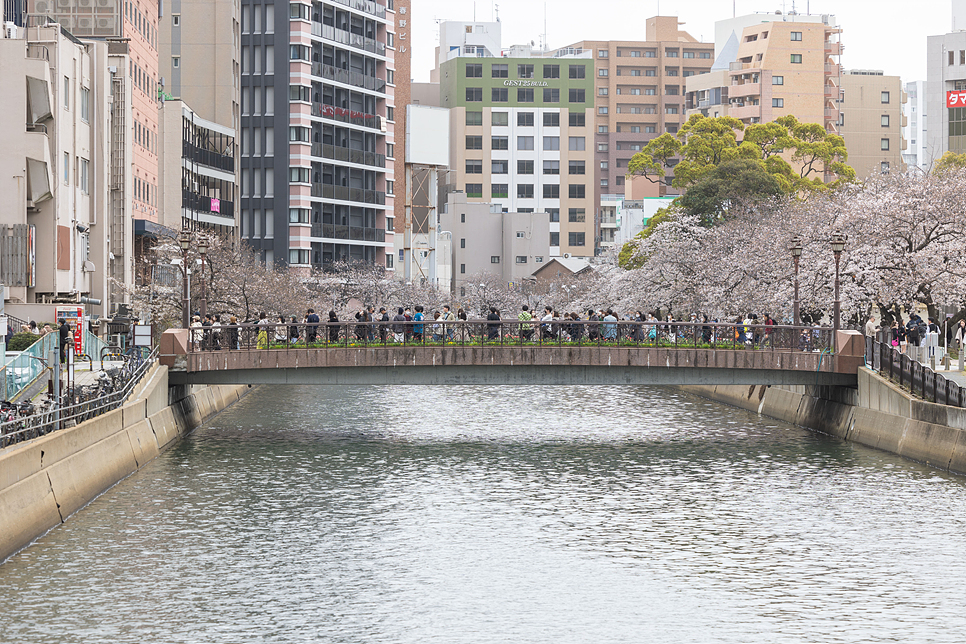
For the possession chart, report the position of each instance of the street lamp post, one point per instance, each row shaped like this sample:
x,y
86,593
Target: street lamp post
x,y
184,240
796,248
838,245
203,250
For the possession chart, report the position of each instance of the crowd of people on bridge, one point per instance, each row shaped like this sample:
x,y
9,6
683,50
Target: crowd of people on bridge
x,y
415,325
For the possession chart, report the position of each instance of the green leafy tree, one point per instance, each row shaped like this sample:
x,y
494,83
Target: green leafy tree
x,y
950,161
744,181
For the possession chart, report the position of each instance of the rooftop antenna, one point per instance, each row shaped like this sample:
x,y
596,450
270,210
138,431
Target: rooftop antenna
x,y
546,44
497,10
474,11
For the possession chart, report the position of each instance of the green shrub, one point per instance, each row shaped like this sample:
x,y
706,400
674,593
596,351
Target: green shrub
x,y
21,341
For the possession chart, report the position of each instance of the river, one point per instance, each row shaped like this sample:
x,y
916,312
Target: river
x,y
497,514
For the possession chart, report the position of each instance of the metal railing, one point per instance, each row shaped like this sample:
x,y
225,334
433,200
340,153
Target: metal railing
x,y
20,372
911,374
339,153
76,406
535,333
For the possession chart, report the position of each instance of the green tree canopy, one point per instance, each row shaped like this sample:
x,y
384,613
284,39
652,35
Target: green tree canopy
x,y
744,181
950,161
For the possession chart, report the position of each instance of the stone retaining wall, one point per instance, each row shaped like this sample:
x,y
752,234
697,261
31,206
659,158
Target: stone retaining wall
x,y
45,480
878,414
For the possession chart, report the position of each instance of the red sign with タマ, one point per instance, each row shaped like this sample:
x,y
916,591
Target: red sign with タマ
x,y
956,99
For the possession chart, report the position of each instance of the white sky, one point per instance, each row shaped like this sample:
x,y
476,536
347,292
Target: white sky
x,y
877,34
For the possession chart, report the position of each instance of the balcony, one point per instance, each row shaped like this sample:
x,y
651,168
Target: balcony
x,y
833,92
209,158
608,220
345,115
740,111
747,89
353,233
831,114
833,70
366,6
201,203
347,77
337,153
348,38
344,193
833,48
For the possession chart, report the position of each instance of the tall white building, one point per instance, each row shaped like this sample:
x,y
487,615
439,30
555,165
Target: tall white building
x,y
916,153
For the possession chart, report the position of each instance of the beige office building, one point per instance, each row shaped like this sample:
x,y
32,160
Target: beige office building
x,y
57,232
871,121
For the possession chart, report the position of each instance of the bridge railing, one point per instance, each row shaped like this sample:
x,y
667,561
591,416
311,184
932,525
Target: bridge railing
x,y
534,333
912,374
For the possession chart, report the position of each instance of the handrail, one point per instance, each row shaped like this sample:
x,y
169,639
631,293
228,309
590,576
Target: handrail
x,y
919,379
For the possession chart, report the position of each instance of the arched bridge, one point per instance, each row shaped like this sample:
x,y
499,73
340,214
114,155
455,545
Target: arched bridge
x,y
479,352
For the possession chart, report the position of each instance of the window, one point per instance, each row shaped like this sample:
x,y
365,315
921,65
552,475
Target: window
x,y
650,129
635,129
499,167
578,119
577,143
578,167
390,186
602,73
524,71
463,243
474,166
474,70
524,167
551,167
576,239
554,239
602,147
84,168
602,91
604,183
500,119
524,95
602,53
521,234
551,71
671,53
296,11
474,118
301,93
603,129
499,95
647,72
299,134
551,95
578,191
66,168
390,113
777,80
778,102
884,144
884,167
885,97
554,214
576,215
85,98
298,215
521,259
885,120
525,119
577,95
551,191
299,52
66,93
474,94
578,71
551,143
175,20
500,142
604,165
499,71
300,175
704,54
494,259
671,109
462,218
474,190
797,59
688,54
671,71
797,36
524,143
500,191
551,119
474,143
298,255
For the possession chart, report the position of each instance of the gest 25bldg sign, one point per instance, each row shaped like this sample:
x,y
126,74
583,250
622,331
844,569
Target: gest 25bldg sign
x,y
956,98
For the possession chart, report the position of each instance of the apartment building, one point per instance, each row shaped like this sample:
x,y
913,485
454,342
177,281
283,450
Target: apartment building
x,y
317,131
639,93
787,66
198,185
916,152
55,226
485,239
871,121
521,136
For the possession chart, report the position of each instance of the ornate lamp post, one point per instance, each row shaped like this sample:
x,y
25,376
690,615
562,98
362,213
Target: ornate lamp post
x,y
796,248
203,250
184,240
838,245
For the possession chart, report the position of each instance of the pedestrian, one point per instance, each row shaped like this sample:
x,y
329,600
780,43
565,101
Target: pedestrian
x,y
610,326
197,332
448,316
437,328
232,333
293,331
311,326
546,323
264,328
493,324
526,323
871,328
281,331
216,332
66,338
399,326
383,325
333,328
960,334
418,328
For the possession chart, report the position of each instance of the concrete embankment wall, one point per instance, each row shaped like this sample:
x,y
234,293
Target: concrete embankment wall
x,y
878,414
45,480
